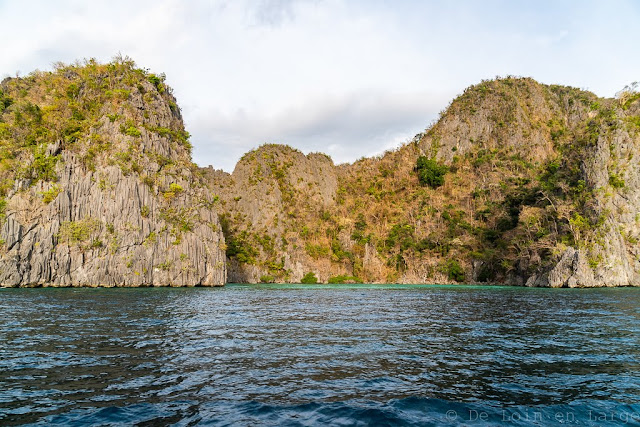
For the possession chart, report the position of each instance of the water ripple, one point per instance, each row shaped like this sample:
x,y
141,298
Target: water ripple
x,y
290,355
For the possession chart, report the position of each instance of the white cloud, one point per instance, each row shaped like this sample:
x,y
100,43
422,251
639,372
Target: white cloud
x,y
348,77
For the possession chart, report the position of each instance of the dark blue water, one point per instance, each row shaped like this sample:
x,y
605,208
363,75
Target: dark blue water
x,y
319,355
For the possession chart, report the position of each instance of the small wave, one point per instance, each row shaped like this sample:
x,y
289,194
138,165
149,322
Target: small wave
x,y
412,411
319,357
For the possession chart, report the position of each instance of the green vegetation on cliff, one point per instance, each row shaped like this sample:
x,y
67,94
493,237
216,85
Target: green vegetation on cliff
x,y
512,175
430,172
97,186
47,112
517,182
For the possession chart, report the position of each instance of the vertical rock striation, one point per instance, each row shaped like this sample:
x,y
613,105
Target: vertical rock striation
x,y
120,203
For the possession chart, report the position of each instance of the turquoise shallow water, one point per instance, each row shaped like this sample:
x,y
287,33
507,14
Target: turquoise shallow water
x,y
320,355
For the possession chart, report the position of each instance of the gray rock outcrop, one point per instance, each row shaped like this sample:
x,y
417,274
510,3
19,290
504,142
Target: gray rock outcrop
x,y
107,229
115,200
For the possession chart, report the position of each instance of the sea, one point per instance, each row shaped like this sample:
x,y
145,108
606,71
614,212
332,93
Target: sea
x,y
307,355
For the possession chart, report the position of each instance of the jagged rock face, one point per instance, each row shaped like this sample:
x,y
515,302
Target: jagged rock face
x,y
571,271
266,179
97,188
266,200
483,117
608,253
613,169
105,235
598,138
122,204
542,189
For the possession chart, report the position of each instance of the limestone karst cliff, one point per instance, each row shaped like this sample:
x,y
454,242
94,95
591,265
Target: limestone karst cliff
x,y
97,183
517,183
267,205
539,187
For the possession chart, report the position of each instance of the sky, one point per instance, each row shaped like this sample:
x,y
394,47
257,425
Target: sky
x,y
347,78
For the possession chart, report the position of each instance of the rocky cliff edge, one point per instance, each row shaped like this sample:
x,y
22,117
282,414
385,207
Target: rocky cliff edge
x,y
98,188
